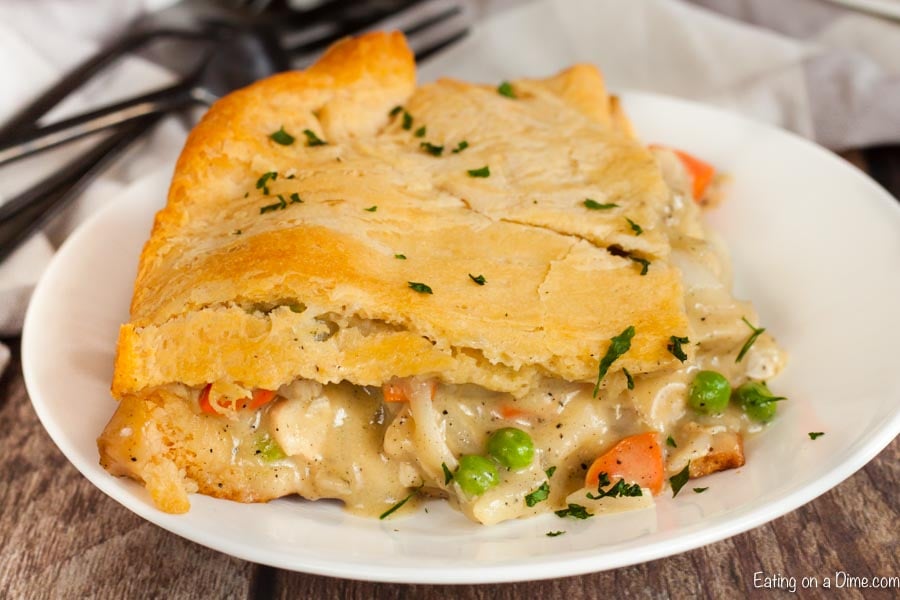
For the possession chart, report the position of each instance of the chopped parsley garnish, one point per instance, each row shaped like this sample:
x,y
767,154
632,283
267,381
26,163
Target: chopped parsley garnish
x,y
295,198
550,471
700,490
372,208
312,139
617,251
538,495
620,489
506,89
637,229
420,132
431,148
280,205
397,506
629,380
674,347
594,205
815,434
460,147
670,441
282,137
484,171
480,280
395,111
645,264
618,346
407,121
576,511
554,533
448,476
263,182
419,287
400,256
680,478
757,331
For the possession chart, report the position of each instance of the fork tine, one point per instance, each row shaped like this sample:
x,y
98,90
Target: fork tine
x,y
33,208
27,116
432,21
430,26
436,46
438,32
339,25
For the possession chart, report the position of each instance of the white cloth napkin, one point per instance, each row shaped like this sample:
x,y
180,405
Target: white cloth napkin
x,y
821,70
40,40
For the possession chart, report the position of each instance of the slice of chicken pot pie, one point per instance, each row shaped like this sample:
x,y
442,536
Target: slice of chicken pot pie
x,y
366,290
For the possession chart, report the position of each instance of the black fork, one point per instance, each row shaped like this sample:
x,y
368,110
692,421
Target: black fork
x,y
23,214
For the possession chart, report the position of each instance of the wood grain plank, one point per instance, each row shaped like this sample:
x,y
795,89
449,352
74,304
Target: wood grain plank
x,y
63,538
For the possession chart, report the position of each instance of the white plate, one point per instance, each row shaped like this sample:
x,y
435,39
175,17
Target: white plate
x,y
816,245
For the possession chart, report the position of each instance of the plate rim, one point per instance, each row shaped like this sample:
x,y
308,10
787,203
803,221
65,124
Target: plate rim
x,y
722,526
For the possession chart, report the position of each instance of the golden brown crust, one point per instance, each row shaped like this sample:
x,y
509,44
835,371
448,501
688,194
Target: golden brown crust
x,y
162,442
618,118
581,87
218,276
361,77
727,452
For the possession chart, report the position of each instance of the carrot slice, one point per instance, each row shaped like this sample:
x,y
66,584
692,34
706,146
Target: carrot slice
x,y
205,406
636,459
261,398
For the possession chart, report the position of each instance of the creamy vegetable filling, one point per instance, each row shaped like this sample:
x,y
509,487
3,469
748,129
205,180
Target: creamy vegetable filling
x,y
498,456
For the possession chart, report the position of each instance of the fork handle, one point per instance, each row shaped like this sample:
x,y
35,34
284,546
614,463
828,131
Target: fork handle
x,y
37,205
28,115
164,100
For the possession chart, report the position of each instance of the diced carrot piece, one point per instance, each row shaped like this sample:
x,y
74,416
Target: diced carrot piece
x,y
261,398
399,390
636,459
511,412
701,172
205,406
394,392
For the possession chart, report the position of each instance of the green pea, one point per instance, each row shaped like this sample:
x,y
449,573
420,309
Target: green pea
x,y
757,401
476,474
709,393
511,447
269,449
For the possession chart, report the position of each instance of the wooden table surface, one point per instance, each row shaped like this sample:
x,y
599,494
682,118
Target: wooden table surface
x,y
63,538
